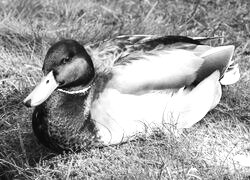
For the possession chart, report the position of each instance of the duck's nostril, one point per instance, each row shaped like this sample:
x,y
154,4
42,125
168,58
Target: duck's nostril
x,y
62,82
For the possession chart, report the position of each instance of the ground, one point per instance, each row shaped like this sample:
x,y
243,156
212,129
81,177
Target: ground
x,y
218,147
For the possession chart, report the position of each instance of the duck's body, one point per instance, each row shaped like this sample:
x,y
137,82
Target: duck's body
x,y
141,82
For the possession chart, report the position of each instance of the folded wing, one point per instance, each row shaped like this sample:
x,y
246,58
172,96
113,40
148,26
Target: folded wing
x,y
166,68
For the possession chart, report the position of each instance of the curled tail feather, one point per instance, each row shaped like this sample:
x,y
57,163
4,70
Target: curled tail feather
x,y
231,75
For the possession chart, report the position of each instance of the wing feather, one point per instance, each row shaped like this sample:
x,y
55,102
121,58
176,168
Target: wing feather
x,y
156,71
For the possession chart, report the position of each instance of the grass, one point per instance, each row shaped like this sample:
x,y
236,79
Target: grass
x,y
214,148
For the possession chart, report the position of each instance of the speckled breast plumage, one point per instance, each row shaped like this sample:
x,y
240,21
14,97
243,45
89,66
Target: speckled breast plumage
x,y
72,128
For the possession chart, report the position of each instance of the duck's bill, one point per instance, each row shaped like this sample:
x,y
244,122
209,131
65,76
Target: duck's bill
x,y
42,91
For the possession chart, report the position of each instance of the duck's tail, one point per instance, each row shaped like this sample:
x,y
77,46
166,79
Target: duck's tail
x,y
231,75
220,58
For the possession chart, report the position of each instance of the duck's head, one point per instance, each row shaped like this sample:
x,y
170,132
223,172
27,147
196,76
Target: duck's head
x,y
67,67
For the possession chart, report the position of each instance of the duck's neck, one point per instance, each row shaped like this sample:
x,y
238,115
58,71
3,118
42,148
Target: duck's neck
x,y
81,90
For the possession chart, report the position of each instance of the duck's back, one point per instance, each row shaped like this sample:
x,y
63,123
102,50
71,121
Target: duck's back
x,y
107,53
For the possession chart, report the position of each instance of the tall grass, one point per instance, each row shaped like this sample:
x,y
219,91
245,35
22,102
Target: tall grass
x,y
210,150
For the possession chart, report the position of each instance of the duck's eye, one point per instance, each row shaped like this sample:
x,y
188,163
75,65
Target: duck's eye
x,y
65,60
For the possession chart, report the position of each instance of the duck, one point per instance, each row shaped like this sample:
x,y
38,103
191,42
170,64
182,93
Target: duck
x,y
108,92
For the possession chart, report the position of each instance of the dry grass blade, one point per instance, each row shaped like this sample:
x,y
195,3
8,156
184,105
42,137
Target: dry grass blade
x,y
22,144
69,169
150,12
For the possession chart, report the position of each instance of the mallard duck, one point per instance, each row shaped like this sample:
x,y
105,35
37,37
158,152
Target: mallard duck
x,y
108,92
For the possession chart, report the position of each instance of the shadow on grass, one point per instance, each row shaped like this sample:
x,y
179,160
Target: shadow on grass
x,y
19,149
235,102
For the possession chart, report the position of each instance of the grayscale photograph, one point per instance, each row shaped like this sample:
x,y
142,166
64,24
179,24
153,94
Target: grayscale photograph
x,y
124,89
